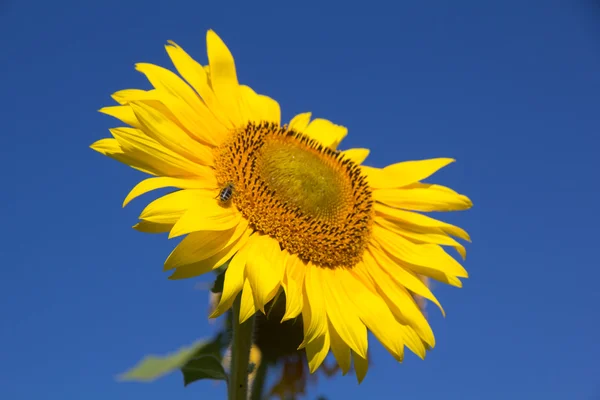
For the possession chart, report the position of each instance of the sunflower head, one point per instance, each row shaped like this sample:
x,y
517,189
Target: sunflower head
x,y
347,244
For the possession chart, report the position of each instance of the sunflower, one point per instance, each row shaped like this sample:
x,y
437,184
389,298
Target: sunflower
x,y
346,243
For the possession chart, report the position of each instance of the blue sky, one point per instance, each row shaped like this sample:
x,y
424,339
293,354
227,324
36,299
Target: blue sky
x,y
508,88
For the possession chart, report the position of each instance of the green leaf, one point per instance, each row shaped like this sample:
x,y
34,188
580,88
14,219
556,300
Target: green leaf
x,y
153,367
205,367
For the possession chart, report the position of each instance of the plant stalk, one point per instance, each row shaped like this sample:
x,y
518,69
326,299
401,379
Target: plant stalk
x,y
240,353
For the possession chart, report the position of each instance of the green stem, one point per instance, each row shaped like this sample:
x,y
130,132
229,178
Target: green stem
x,y
240,353
259,382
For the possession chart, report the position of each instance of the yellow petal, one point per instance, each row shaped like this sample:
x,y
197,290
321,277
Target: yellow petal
x,y
155,99
340,312
403,277
358,156
152,227
124,97
198,122
425,255
431,237
203,244
425,198
264,269
197,77
326,132
166,132
107,146
376,178
374,313
300,122
234,281
404,173
420,220
206,182
247,307
223,77
392,333
169,208
399,300
211,263
361,366
313,308
340,350
168,82
256,107
206,215
136,145
123,113
111,148
316,351
407,172
293,282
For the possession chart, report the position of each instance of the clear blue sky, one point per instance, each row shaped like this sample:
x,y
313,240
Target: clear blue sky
x,y
511,89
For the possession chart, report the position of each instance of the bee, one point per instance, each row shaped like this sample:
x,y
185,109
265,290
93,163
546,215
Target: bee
x,y
226,193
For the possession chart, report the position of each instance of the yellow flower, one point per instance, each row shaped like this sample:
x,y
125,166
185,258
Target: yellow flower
x,y
286,209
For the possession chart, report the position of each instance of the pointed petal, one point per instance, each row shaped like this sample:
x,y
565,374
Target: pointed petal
x,y
423,198
264,269
168,82
201,245
223,77
256,107
146,151
399,300
340,349
326,132
124,97
361,366
313,308
206,182
211,263
152,227
207,215
111,148
300,122
431,236
426,259
123,113
403,277
169,208
358,156
405,173
234,281
374,314
341,312
316,351
196,75
420,220
164,131
247,307
425,255
293,282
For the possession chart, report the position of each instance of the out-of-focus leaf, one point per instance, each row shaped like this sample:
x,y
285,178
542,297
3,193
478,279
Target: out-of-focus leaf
x,y
153,367
203,367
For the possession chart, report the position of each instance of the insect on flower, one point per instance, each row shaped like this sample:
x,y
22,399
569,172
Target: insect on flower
x,y
226,193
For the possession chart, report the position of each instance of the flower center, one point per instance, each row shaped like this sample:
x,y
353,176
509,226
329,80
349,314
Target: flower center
x,y
309,198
